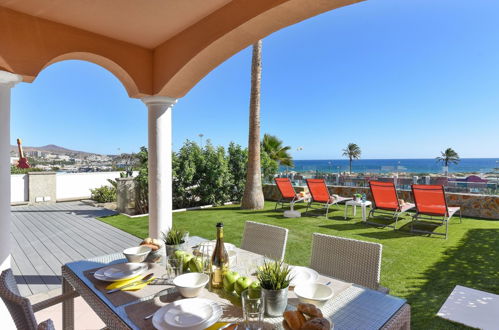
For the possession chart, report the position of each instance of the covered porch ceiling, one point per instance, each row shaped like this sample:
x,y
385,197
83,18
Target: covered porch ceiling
x,y
155,47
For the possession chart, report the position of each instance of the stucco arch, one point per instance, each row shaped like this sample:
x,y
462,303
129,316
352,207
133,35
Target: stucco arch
x,y
114,68
179,65
28,44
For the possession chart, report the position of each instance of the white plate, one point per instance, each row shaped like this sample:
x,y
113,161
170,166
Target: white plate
x,y
187,314
120,272
303,275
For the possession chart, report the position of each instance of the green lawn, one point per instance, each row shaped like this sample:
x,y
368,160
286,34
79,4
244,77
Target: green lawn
x,y
422,269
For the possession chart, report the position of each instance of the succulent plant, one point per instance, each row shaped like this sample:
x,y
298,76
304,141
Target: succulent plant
x,y
274,275
174,236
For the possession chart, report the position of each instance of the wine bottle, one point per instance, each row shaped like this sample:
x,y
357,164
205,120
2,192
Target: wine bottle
x,y
219,259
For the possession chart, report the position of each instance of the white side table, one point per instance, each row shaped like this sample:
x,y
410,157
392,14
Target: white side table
x,y
363,205
291,213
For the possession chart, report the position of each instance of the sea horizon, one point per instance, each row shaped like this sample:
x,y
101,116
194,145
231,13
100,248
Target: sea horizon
x,y
390,165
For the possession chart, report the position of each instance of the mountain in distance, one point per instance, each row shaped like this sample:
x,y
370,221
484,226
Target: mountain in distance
x,y
53,149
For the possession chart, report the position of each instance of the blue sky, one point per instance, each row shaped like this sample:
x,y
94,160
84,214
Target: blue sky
x,y
402,79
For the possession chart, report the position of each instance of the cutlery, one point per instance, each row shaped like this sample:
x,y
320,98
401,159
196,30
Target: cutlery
x,y
143,280
148,316
227,326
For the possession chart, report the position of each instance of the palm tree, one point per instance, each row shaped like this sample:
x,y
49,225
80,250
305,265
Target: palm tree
x,y
274,148
449,156
253,193
352,151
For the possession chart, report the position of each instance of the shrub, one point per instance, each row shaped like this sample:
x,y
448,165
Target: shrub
x,y
104,194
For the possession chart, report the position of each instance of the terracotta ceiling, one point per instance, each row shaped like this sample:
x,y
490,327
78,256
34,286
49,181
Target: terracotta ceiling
x,y
146,23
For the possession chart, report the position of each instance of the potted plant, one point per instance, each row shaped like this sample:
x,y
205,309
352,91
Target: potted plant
x,y
357,197
174,240
274,278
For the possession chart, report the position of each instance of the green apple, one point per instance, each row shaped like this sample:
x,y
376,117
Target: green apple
x,y
242,284
196,265
254,290
186,261
229,280
179,254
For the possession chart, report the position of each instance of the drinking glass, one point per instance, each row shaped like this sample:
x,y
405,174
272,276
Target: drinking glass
x,y
174,267
252,311
205,255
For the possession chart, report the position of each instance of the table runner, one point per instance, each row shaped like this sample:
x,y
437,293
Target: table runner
x,y
123,297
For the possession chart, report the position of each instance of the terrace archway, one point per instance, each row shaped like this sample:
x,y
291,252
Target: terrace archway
x,y
159,49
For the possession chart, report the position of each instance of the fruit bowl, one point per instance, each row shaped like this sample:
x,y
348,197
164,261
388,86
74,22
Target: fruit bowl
x,y
190,285
313,293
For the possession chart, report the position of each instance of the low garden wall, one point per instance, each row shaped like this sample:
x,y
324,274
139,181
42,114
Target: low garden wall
x,y
472,205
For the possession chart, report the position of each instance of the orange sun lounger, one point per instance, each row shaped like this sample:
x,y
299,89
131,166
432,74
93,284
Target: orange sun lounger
x,y
320,194
386,202
431,205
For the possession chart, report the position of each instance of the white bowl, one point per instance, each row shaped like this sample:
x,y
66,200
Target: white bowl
x,y
314,293
190,285
137,254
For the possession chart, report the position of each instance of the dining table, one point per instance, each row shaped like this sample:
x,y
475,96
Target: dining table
x,y
352,306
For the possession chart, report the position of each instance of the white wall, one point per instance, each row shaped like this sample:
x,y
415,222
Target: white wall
x,y
18,188
78,185
68,185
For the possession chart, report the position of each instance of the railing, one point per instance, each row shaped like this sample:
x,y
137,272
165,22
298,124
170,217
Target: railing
x,y
490,186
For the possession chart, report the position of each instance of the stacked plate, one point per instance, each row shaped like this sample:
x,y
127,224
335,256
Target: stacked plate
x,y
187,314
302,275
119,272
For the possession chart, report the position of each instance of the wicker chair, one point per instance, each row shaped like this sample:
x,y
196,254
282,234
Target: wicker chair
x,y
347,259
20,308
266,240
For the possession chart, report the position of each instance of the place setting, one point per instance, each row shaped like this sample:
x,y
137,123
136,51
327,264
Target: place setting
x,y
122,283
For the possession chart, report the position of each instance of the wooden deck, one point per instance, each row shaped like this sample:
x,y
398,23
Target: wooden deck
x,y
46,237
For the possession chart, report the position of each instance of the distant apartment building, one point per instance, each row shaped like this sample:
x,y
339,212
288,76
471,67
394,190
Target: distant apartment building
x,y
34,153
13,160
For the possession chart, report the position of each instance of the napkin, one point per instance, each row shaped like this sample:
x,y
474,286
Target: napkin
x,y
138,286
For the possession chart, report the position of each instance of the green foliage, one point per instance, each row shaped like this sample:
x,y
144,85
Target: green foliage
x,y
237,162
201,176
269,166
214,185
17,170
186,165
104,194
174,236
276,151
449,156
142,183
274,275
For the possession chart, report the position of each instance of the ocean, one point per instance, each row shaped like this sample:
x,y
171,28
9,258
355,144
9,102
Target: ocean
x,y
468,165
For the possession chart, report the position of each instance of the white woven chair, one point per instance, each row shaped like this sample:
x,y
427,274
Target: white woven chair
x,y
20,308
347,259
266,240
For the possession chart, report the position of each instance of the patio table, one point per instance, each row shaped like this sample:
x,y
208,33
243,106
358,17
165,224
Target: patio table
x,y
354,308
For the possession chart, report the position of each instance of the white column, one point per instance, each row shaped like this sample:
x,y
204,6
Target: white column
x,y
7,81
160,163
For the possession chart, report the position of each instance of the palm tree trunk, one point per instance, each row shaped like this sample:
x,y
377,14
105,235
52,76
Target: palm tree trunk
x,y
253,193
350,165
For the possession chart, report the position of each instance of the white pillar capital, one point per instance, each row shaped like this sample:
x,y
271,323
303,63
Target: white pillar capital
x,y
159,100
8,79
